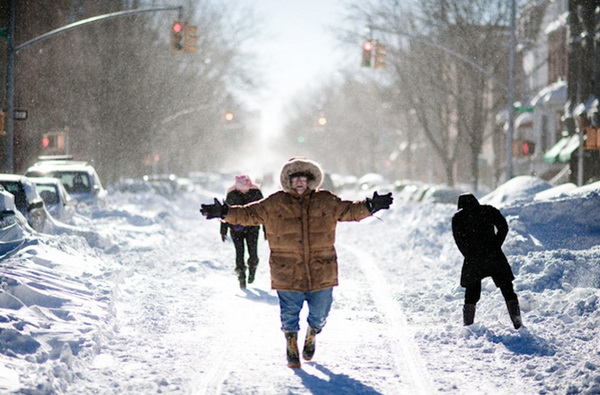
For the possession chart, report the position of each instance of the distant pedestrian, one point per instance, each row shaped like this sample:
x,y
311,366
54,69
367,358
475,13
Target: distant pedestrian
x,y
243,191
479,232
300,222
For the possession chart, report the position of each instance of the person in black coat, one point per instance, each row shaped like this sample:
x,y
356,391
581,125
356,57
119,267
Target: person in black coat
x,y
479,231
242,192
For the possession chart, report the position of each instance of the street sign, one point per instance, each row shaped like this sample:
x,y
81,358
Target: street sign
x,y
20,115
520,109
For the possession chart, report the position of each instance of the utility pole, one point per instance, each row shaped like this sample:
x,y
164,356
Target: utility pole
x,y
511,90
10,89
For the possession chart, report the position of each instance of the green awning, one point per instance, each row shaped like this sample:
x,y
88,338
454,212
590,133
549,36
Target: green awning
x,y
567,152
551,155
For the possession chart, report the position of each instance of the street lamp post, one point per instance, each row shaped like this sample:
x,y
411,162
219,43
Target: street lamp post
x,y
511,90
10,90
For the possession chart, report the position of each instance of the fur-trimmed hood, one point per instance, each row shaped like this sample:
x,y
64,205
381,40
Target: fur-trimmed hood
x,y
301,165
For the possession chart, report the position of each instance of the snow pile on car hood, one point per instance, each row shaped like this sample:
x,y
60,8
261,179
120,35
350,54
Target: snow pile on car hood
x,y
518,189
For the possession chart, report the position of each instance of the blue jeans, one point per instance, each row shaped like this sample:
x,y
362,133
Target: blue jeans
x,y
319,305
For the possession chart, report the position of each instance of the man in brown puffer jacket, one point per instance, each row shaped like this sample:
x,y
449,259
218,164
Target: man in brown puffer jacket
x,y
300,221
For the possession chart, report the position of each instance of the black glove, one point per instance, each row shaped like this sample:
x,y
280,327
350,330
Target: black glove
x,y
379,202
216,210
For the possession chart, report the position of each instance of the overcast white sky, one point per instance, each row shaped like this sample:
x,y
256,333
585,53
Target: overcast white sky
x,y
298,51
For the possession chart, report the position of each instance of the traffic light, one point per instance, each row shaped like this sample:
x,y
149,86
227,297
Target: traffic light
x,y
177,32
379,55
45,141
367,54
527,147
190,38
522,147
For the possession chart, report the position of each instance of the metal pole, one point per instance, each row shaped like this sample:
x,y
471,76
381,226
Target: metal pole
x,y
580,158
96,19
10,89
511,90
443,48
10,69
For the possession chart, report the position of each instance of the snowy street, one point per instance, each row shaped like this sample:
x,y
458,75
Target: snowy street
x,y
184,325
424,174
147,302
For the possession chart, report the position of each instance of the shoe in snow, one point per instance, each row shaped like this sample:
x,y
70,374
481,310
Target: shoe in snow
x,y
309,344
242,280
251,274
515,313
293,358
468,313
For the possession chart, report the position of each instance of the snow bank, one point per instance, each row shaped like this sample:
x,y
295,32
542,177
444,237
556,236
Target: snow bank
x,y
553,247
56,290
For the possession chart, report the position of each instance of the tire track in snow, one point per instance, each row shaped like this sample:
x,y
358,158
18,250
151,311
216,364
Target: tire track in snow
x,y
241,343
211,382
406,355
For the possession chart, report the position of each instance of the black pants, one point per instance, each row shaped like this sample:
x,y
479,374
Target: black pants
x,y
473,292
250,236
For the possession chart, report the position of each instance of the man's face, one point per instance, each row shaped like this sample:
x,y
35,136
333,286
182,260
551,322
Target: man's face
x,y
299,184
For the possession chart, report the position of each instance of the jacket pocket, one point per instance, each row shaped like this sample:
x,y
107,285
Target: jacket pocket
x,y
283,269
324,272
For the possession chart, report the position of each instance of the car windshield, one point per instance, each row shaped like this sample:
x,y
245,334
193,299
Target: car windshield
x,y
74,181
49,193
17,190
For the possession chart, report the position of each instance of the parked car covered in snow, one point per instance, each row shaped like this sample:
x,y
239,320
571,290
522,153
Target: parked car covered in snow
x,y
56,198
442,195
27,199
78,177
370,180
164,184
7,203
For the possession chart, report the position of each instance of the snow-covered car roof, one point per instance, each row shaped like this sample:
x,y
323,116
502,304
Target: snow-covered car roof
x,y
46,166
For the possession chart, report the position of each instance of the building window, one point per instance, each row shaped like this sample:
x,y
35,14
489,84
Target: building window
x,y
557,55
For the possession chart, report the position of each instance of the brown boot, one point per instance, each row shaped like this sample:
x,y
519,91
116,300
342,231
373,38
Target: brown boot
x,y
309,344
293,357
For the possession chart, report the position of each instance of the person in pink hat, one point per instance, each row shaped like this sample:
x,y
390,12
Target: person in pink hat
x,y
243,191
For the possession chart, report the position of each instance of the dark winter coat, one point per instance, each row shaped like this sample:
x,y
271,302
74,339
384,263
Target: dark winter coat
x,y
479,231
237,198
300,229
